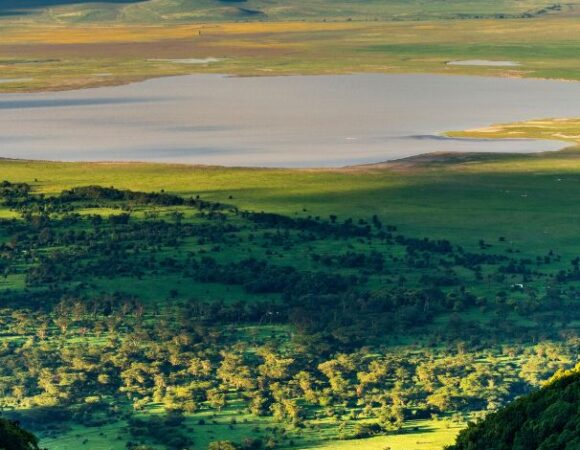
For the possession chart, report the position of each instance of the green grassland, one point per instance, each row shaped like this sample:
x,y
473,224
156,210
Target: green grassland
x,y
432,435
529,199
509,278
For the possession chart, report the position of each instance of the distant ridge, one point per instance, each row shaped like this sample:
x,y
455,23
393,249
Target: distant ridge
x,y
188,11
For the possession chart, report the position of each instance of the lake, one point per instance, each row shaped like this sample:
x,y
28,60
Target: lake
x,y
300,121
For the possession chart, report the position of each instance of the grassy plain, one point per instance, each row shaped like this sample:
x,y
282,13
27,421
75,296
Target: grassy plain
x,y
567,129
529,199
431,435
54,57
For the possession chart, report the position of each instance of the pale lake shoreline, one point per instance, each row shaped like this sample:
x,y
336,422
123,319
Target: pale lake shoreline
x,y
316,121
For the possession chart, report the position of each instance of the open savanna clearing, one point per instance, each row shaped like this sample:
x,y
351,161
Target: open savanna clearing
x,y
529,199
56,57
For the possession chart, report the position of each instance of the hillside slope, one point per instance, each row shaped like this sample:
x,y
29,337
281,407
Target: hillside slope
x,y
180,11
548,419
12,437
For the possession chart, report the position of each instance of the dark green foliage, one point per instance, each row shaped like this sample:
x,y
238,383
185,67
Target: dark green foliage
x,y
168,431
366,430
259,277
548,419
223,445
12,437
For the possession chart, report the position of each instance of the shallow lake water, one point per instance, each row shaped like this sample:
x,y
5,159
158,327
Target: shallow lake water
x,y
483,62
298,121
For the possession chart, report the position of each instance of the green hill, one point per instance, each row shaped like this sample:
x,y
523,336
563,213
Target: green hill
x,y
12,437
180,11
548,419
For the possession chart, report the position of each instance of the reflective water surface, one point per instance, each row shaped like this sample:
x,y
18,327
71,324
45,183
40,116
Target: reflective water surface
x,y
277,121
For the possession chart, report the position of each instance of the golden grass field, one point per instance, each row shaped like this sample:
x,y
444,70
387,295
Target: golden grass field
x,y
566,129
56,57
